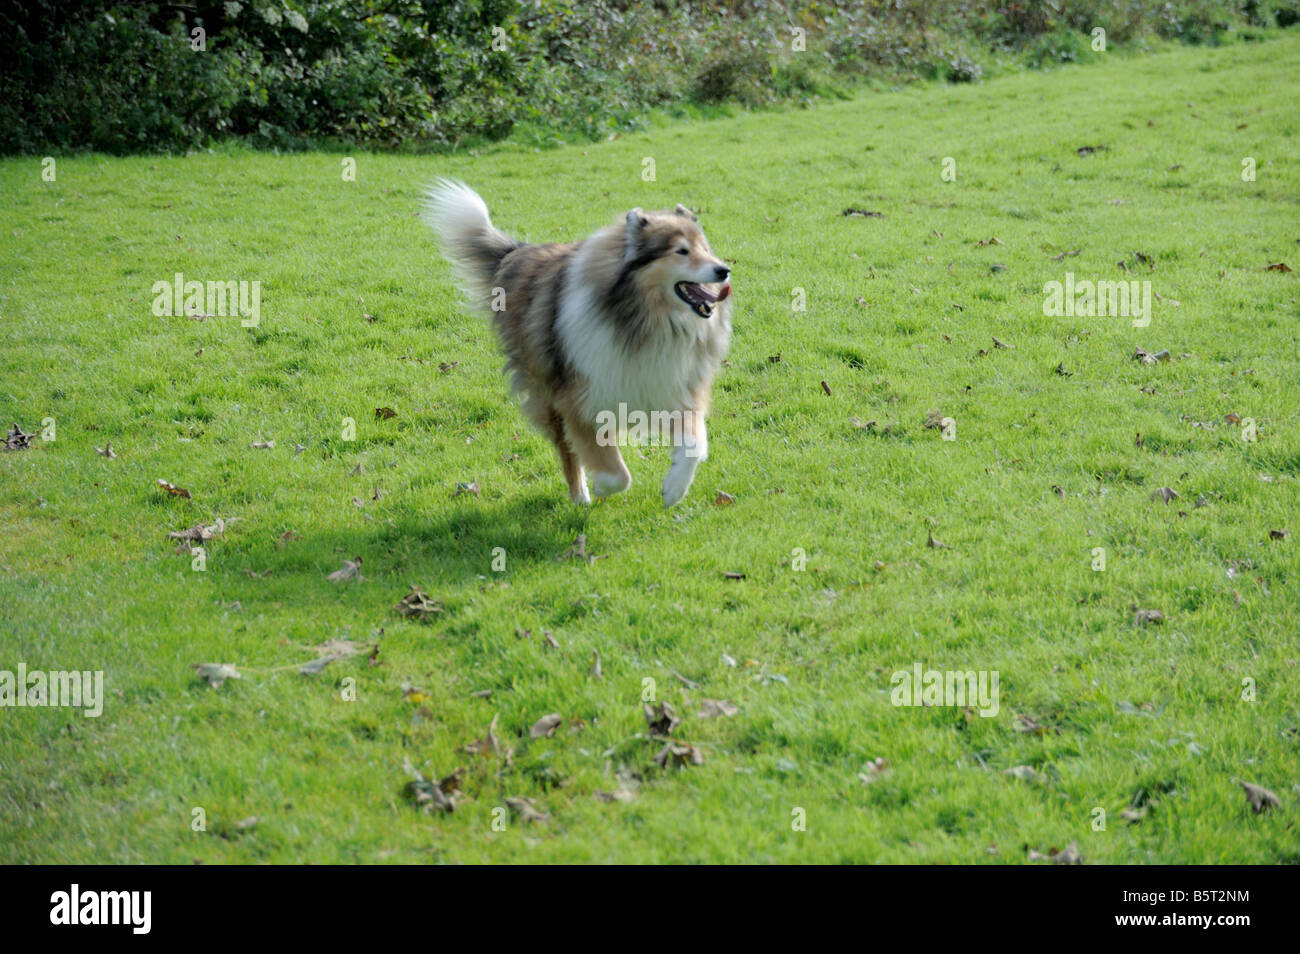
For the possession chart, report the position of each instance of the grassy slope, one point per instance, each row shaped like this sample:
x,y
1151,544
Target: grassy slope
x,y
89,580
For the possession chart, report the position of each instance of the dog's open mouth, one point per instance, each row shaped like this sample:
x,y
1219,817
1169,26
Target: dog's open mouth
x,y
700,298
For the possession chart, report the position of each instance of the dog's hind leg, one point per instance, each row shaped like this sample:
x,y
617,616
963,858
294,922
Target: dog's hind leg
x,y
609,475
549,421
569,462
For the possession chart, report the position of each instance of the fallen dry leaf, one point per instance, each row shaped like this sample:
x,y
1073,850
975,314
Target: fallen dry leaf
x,y
1143,616
350,570
934,544
174,490
545,727
933,418
418,604
385,413
428,794
874,771
1260,798
1164,493
579,551
1278,267
107,451
724,499
526,810
199,533
467,487
17,439
712,708
678,755
216,673
660,718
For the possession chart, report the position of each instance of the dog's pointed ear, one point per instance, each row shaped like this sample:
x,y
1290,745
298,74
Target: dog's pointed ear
x,y
635,222
682,210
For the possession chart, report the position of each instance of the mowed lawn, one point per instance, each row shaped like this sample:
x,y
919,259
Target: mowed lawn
x,y
1061,440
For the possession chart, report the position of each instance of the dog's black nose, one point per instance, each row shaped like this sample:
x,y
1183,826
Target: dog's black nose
x,y
722,271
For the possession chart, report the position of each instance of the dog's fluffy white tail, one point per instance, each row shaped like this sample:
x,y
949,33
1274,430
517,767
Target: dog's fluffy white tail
x,y
469,240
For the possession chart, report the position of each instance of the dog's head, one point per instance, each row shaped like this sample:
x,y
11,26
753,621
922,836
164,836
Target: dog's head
x,y
667,251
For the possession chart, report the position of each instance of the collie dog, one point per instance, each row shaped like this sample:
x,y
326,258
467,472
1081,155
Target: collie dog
x,y
629,325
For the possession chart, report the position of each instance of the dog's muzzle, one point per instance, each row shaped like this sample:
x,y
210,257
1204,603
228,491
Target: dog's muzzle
x,y
700,298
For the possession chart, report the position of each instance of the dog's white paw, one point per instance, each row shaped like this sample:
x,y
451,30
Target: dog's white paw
x,y
582,497
677,483
606,485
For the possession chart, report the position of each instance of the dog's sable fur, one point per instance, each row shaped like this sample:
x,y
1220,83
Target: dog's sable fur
x,y
634,318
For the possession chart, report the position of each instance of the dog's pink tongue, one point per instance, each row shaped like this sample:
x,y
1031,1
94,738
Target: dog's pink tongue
x,y
725,293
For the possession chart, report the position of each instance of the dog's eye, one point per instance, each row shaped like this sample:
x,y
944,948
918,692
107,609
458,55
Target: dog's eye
x,y
683,251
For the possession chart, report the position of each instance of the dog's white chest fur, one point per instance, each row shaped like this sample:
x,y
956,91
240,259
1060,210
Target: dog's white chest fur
x,y
663,372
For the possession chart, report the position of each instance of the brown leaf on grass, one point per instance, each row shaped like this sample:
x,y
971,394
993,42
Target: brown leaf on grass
x,y
712,708
285,538
578,551
724,499
827,388
1260,798
417,604
1060,369
934,544
488,745
429,794
989,241
1029,725
1144,259
774,358
933,418
340,648
107,451
199,533
173,490
350,570
678,755
596,671
467,487
1085,150
316,666
1026,773
1278,534
1061,257
1069,857
661,719
215,674
1165,494
545,727
626,791
1232,418
17,439
526,809
733,575
861,424
862,213
1002,345
373,658
445,367
262,445
1143,616
1278,267
549,640
385,413
874,771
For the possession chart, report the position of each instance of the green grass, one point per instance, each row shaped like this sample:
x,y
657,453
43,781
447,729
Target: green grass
x,y
88,579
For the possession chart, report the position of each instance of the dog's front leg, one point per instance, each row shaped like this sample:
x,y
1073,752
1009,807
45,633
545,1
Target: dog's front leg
x,y
690,446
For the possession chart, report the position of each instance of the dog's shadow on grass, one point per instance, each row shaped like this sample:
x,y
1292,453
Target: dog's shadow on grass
x,y
473,541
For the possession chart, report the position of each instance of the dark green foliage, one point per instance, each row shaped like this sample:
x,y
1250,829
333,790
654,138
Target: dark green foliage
x,y
128,77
